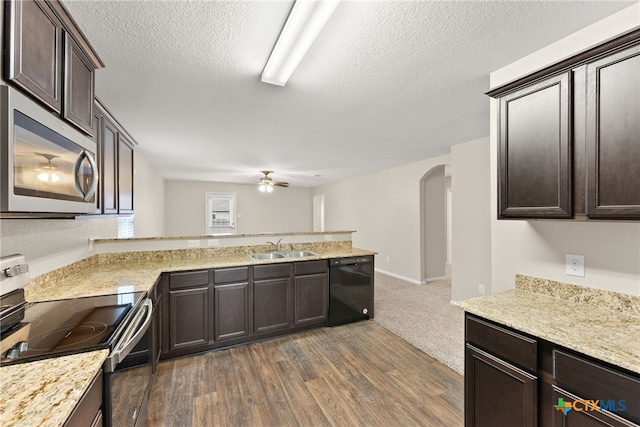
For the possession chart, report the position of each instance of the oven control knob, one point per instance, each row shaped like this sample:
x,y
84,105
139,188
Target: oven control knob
x,y
365,311
23,345
14,353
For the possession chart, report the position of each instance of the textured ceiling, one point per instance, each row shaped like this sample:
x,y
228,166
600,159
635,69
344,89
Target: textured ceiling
x,y
386,82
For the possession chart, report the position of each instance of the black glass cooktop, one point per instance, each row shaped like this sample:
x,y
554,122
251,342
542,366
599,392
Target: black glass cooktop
x,y
56,328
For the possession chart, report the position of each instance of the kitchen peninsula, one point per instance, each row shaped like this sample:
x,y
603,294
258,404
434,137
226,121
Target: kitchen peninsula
x,y
172,275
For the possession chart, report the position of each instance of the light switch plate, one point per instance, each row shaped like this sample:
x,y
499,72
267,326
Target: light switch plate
x,y
575,265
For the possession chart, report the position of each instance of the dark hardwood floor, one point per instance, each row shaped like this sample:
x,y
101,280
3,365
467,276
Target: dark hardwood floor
x,y
353,375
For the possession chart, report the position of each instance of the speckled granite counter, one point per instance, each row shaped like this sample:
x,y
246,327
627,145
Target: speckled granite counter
x,y
113,273
45,392
601,324
48,390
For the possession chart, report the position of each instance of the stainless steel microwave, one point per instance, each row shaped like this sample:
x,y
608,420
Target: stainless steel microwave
x,y
47,165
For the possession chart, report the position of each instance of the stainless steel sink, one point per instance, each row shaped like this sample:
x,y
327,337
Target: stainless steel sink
x,y
299,254
262,256
265,256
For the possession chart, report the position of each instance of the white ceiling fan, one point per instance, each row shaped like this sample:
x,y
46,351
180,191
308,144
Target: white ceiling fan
x,y
266,184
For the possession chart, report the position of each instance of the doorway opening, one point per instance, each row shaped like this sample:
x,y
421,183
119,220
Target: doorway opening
x,y
435,224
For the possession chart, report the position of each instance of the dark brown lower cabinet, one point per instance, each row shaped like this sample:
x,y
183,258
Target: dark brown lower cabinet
x,y
584,414
215,308
505,386
311,296
497,393
272,304
189,318
88,412
188,311
231,311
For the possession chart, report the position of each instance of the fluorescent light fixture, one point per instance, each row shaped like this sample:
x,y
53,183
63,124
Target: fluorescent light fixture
x,y
305,21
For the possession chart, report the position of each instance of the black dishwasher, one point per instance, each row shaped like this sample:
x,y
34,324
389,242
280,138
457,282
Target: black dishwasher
x,y
350,290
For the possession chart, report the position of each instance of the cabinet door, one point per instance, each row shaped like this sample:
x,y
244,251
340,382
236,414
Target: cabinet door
x,y
109,183
35,50
231,312
497,393
584,415
188,318
311,296
535,151
78,86
97,138
613,136
125,175
272,304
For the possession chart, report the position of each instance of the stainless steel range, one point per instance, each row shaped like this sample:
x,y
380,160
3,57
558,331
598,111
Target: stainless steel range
x,y
39,330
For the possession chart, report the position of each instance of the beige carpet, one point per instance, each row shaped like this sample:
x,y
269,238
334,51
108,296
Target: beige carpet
x,y
423,316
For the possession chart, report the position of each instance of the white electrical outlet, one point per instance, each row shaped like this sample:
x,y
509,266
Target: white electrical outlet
x,y
481,289
575,265
212,242
387,258
328,237
193,243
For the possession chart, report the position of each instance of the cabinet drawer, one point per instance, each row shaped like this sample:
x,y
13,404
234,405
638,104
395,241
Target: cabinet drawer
x,y
511,346
593,381
89,406
311,267
229,275
188,279
271,271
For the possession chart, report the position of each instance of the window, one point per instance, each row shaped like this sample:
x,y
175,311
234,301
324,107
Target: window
x,y
221,213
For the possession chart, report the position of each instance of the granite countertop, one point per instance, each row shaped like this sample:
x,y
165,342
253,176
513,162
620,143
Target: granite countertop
x,y
45,392
601,324
48,390
124,272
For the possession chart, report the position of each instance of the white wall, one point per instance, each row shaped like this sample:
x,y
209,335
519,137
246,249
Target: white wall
x,y
148,190
538,248
384,208
434,228
53,243
284,210
471,205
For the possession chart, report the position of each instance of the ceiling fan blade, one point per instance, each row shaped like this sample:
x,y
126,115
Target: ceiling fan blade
x,y
281,184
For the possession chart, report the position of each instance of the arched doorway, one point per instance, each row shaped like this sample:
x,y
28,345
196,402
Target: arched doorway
x,y
435,223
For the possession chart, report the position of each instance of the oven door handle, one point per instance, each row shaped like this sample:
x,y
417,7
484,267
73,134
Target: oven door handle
x,y
131,337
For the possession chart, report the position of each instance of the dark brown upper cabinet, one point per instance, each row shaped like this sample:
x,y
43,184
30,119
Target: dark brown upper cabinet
x,y
535,151
125,175
34,49
78,86
115,157
569,136
49,58
613,136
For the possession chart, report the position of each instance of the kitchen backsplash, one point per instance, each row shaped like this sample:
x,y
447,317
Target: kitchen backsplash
x,y
622,303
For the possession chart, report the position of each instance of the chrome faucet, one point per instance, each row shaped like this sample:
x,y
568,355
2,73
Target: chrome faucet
x,y
277,245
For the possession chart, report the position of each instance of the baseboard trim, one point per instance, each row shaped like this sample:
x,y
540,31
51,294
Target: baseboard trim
x,y
435,279
397,276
